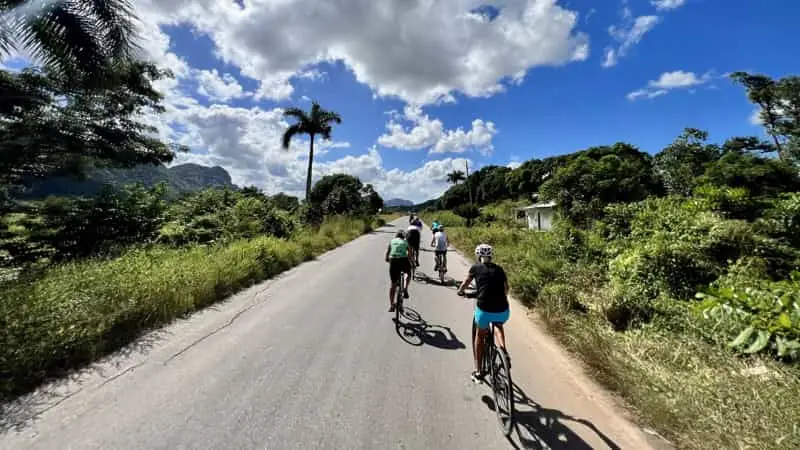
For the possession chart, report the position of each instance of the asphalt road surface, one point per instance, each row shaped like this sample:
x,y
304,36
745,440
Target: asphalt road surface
x,y
313,360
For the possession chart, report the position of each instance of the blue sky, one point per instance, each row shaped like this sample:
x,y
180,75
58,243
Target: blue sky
x,y
407,75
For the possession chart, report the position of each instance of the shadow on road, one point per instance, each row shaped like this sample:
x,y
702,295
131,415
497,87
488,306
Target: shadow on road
x,y
415,331
540,428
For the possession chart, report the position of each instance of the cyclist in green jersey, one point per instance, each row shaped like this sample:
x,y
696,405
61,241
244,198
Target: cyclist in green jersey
x,y
399,260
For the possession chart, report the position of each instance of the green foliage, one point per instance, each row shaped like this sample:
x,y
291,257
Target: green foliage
x,y
82,40
760,176
598,177
51,127
757,315
63,228
212,215
680,163
78,311
779,101
342,194
469,212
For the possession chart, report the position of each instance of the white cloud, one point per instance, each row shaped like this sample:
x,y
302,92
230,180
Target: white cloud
x,y
669,81
420,51
218,87
628,34
458,141
430,133
664,5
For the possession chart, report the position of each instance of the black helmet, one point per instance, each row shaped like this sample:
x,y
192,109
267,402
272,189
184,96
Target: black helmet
x,y
400,234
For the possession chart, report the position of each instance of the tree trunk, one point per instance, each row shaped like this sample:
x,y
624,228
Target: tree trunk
x,y
310,164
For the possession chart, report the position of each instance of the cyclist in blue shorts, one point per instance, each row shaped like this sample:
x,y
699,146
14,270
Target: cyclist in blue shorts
x,y
492,305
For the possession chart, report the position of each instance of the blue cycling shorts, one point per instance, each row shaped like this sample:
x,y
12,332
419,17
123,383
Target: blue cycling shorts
x,y
482,318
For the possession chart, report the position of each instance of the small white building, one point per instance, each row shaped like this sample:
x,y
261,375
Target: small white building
x,y
539,216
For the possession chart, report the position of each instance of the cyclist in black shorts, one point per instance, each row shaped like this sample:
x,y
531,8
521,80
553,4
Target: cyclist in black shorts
x,y
413,238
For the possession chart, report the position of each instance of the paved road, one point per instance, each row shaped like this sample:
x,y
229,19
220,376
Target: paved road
x,y
313,360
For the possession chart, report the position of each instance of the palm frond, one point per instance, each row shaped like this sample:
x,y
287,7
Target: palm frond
x,y
291,132
297,113
330,116
117,21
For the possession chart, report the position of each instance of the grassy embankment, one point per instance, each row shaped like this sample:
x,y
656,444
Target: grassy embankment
x,y
695,392
77,312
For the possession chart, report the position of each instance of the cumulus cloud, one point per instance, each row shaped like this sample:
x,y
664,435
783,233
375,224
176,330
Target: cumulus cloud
x,y
419,51
664,5
627,34
668,81
430,133
218,87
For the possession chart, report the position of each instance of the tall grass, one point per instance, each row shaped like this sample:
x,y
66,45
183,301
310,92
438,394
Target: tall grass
x,y
698,395
79,311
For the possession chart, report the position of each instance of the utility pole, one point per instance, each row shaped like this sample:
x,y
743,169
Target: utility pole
x,y
469,188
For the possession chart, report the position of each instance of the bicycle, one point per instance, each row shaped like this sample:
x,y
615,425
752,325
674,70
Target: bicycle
x,y
497,364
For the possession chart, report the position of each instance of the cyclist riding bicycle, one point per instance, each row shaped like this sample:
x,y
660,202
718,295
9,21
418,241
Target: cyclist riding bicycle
x,y
399,260
434,226
413,237
492,305
440,243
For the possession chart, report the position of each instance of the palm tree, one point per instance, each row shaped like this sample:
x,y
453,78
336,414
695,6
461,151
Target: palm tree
x,y
455,176
72,36
317,122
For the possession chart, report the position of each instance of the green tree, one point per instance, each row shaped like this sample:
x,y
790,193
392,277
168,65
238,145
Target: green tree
x,y
680,163
338,194
59,129
78,37
372,200
779,102
285,202
491,184
598,177
316,122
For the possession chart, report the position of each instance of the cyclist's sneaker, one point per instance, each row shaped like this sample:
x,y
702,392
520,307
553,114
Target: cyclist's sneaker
x,y
405,293
476,377
391,308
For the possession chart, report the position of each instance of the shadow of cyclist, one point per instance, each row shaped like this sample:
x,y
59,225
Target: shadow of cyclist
x,y
415,331
543,428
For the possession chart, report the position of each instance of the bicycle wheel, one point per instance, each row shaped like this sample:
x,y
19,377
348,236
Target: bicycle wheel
x,y
503,389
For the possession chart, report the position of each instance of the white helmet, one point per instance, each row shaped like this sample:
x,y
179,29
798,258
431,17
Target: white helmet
x,y
484,250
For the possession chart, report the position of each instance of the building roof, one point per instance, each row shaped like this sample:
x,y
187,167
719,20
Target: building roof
x,y
538,206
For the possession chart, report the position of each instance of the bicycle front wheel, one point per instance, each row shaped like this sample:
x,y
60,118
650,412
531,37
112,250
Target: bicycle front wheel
x,y
503,390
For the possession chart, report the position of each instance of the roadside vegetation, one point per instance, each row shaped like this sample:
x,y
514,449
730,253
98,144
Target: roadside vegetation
x,y
81,275
673,277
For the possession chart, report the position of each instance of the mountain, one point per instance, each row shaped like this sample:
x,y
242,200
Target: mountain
x,y
179,179
395,202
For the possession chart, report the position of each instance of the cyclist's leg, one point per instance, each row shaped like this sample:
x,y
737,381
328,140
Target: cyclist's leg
x,y
499,332
482,321
407,269
394,277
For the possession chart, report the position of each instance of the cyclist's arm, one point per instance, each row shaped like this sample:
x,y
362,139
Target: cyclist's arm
x,y
465,283
388,250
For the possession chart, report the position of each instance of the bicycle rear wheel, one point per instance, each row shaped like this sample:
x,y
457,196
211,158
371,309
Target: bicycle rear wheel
x,y
502,388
